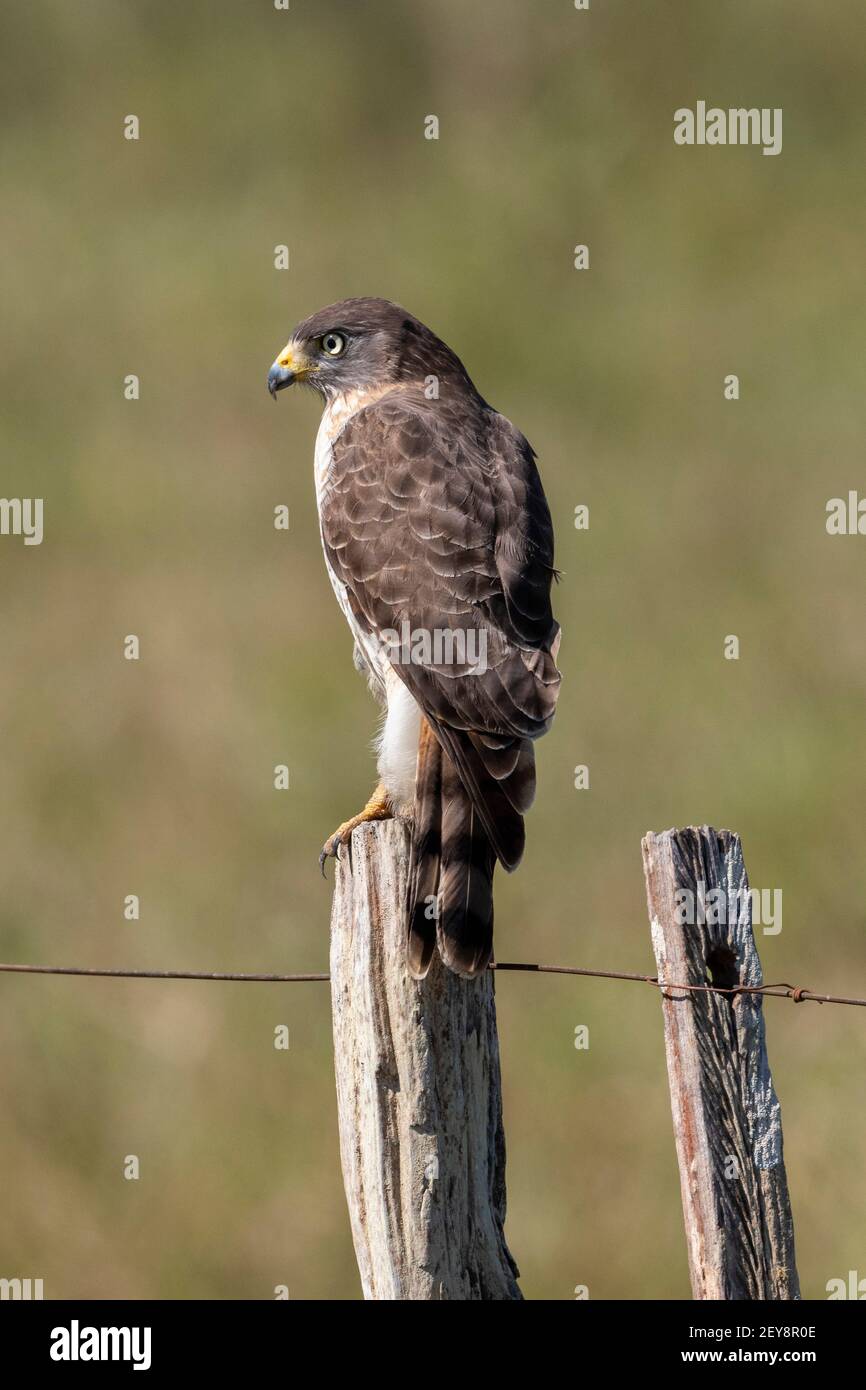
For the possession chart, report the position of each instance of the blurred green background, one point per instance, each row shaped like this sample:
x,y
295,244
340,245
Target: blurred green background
x,y
305,127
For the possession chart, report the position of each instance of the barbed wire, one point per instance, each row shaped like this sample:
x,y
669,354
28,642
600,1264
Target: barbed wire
x,y
782,990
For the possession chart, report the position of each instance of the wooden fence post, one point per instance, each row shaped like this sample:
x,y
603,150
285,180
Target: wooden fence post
x,y
727,1120
418,1096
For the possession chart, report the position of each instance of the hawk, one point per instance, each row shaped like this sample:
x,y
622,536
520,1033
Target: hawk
x,y
439,546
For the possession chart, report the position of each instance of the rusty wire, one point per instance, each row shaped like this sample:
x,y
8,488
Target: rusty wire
x,y
798,993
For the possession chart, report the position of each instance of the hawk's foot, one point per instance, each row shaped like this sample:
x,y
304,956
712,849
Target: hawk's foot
x,y
377,808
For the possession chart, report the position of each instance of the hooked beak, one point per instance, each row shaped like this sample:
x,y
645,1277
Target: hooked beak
x,y
291,365
278,377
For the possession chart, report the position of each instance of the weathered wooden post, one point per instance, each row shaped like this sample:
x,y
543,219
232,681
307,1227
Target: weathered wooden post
x,y
418,1096
727,1120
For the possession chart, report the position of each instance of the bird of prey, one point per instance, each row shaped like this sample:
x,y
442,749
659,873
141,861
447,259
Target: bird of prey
x,y
439,546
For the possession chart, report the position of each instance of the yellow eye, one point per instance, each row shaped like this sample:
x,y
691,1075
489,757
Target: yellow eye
x,y
334,344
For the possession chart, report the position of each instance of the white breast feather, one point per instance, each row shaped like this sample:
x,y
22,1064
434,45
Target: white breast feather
x,y
397,743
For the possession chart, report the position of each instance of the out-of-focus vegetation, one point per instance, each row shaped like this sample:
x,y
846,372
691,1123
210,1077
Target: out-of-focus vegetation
x,y
260,127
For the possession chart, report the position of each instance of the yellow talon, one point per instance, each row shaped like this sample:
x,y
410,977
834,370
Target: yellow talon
x,y
377,808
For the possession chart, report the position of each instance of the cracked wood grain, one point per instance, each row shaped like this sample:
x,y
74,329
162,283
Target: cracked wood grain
x,y
727,1118
419,1097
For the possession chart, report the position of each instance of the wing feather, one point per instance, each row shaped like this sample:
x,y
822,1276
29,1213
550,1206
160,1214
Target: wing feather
x,y
434,516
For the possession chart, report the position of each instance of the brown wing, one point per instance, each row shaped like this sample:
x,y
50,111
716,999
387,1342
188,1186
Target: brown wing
x,y
436,521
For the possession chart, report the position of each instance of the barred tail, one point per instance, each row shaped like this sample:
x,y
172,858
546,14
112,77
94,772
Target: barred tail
x,y
425,860
450,896
465,927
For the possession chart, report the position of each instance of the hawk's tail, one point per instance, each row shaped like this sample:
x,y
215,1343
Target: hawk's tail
x,y
450,896
426,858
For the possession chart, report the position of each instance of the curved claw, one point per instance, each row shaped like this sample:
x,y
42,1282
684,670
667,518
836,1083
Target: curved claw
x,y
377,808
330,849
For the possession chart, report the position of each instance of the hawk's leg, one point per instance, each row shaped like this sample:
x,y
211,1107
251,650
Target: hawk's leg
x,y
377,808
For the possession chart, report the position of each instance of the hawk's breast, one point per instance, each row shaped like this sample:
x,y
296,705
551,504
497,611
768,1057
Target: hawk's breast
x,y
335,417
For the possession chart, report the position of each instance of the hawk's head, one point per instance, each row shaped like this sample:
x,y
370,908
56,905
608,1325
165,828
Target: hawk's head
x,y
361,345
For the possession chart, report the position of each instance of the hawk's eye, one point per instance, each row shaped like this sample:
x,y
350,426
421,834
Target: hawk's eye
x,y
334,344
